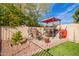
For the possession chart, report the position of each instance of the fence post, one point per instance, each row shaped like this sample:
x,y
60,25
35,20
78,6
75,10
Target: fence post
x,y
0,41
74,36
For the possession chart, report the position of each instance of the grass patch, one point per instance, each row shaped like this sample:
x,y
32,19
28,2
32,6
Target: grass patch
x,y
65,49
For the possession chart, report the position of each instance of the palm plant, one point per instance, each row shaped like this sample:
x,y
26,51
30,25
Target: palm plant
x,y
16,38
76,16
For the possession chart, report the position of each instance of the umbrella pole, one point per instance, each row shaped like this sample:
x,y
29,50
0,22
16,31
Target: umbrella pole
x,y
47,25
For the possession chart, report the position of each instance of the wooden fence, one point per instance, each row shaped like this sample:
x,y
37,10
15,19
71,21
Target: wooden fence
x,y
72,31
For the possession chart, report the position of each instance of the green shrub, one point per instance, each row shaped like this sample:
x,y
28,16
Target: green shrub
x,y
16,38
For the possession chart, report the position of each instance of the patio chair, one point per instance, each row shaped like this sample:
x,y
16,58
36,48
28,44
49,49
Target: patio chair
x,y
34,33
49,32
30,35
54,32
62,33
39,35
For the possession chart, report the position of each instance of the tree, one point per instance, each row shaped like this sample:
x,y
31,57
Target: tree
x,y
31,11
76,16
11,16
20,14
34,11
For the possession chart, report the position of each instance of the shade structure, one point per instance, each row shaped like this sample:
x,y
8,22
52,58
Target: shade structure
x,y
52,19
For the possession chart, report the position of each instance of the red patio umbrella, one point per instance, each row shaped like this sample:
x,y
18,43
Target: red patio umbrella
x,y
52,19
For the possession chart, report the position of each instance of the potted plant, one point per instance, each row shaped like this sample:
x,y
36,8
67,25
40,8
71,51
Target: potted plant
x,y
16,38
46,39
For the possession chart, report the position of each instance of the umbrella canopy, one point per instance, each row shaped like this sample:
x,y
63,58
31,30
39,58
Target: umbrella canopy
x,y
52,19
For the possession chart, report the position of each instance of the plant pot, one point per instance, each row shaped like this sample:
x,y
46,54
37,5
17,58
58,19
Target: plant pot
x,y
46,40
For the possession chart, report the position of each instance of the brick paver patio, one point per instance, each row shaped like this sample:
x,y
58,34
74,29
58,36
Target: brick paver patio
x,y
27,49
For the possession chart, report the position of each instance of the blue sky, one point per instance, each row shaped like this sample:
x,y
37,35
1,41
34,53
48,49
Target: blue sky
x,y
62,11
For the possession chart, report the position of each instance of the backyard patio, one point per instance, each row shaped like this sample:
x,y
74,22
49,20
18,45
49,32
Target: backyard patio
x,y
27,49
29,30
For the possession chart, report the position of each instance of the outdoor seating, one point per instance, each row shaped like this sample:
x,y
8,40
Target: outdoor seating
x,y
50,32
34,33
62,33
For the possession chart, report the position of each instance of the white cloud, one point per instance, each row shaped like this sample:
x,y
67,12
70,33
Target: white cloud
x,y
61,15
